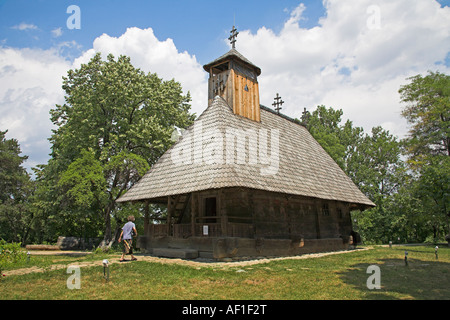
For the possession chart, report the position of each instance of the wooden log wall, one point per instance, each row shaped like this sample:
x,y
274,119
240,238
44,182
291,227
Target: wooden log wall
x,y
248,213
279,216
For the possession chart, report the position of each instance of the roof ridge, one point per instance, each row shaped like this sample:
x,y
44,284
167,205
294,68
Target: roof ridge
x,y
282,115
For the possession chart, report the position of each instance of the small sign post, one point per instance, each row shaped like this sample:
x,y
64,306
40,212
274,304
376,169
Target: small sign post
x,y
106,269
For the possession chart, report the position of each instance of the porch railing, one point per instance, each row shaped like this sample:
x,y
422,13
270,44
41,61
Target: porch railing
x,y
203,228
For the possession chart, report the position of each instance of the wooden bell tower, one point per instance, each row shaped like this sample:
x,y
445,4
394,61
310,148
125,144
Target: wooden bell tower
x,y
234,78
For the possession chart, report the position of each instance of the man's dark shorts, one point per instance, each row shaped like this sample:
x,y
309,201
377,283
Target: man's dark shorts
x,y
128,246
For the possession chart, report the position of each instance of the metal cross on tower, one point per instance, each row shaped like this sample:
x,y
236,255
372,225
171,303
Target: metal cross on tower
x,y
277,103
304,113
305,116
233,36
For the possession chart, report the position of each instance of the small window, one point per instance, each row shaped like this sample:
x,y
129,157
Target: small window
x,y
210,207
339,211
325,209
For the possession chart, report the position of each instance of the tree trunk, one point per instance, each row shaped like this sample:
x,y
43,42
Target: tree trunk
x,y
107,216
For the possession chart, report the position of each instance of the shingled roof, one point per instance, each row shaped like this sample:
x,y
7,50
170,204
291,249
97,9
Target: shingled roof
x,y
233,54
279,156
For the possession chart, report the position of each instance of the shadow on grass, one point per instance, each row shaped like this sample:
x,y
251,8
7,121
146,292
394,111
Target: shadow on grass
x,y
421,280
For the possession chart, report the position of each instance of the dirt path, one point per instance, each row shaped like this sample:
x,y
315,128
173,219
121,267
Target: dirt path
x,y
192,263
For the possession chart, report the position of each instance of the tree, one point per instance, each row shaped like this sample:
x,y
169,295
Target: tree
x,y
16,215
116,122
324,125
376,167
381,164
428,111
373,162
12,175
434,191
83,188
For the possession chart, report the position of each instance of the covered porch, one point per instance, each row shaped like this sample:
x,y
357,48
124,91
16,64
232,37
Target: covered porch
x,y
201,228
236,222
199,214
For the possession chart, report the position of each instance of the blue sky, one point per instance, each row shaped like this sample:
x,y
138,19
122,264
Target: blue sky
x,y
347,54
195,26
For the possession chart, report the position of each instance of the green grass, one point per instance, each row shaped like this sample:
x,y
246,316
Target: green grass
x,y
341,277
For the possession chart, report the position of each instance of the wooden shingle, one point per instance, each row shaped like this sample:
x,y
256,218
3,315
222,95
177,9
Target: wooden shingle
x,y
197,161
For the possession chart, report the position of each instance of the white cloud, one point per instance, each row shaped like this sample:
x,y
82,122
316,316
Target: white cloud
x,y
24,26
57,32
30,85
153,55
31,79
341,63
349,61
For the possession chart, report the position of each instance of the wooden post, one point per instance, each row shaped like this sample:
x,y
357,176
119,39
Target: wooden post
x,y
146,217
222,213
194,199
317,213
170,208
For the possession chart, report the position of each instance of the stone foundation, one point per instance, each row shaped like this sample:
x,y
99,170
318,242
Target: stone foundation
x,y
233,247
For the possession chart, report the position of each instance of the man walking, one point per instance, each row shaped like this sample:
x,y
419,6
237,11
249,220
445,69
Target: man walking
x,y
128,230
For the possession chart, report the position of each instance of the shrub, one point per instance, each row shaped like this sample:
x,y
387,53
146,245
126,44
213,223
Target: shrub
x,y
10,253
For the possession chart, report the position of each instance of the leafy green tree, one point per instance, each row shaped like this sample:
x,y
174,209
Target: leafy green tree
x,y
378,170
434,191
12,175
83,193
83,183
116,122
382,164
324,125
16,214
427,109
373,162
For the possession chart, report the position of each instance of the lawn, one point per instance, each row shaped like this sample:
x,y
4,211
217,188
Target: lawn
x,y
333,277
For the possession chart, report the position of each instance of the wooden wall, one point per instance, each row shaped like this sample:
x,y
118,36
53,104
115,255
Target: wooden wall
x,y
245,96
239,91
276,216
251,222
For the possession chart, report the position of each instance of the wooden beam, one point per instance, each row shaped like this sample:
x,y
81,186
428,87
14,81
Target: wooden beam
x,y
146,216
170,209
194,211
317,210
222,212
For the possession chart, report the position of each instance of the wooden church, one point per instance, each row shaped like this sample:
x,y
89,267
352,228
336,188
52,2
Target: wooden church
x,y
245,180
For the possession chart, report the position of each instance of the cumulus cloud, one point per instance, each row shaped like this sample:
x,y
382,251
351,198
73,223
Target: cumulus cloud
x,y
356,58
153,55
31,79
30,85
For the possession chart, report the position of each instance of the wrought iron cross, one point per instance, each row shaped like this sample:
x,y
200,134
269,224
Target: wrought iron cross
x,y
233,36
305,116
277,103
304,113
